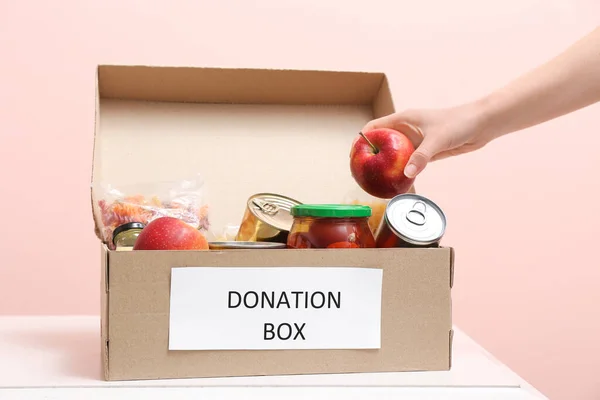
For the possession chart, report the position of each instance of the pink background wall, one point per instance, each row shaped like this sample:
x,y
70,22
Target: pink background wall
x,y
522,211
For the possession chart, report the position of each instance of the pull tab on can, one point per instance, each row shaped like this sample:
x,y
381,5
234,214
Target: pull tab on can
x,y
411,220
415,215
266,207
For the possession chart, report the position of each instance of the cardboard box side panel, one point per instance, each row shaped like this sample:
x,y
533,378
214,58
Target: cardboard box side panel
x,y
96,118
152,360
240,86
415,318
384,101
104,315
142,267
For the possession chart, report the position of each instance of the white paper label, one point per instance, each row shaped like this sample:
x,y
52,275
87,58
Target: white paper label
x,y
247,308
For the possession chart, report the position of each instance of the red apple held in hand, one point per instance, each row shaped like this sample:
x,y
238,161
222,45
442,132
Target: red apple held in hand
x,y
378,166
168,233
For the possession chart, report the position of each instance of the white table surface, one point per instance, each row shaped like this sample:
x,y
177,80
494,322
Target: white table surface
x,y
59,358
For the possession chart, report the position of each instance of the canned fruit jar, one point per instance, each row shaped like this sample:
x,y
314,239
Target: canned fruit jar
x,y
411,220
333,226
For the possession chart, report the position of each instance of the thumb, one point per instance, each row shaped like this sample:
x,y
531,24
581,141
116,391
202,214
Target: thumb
x,y
422,155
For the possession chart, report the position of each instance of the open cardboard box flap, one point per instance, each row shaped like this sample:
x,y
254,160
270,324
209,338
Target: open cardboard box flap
x,y
248,131
244,131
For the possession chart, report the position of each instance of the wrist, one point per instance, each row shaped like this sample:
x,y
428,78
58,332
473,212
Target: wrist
x,y
485,112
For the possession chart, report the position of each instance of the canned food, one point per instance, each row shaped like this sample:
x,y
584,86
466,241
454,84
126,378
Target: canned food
x,y
411,220
124,236
244,245
267,218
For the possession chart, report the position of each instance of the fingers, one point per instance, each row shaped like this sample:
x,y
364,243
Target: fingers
x,y
430,148
412,132
445,154
467,148
403,122
383,122
427,147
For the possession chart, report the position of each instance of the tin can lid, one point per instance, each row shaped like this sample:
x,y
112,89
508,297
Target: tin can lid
x,y
273,209
331,210
245,245
415,219
126,227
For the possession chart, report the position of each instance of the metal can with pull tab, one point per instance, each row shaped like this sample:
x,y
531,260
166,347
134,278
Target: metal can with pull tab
x,y
411,220
267,218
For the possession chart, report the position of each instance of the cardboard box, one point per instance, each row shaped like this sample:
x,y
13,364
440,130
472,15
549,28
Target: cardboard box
x,y
249,131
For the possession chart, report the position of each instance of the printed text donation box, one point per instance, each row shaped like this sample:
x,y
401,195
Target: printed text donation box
x,y
249,308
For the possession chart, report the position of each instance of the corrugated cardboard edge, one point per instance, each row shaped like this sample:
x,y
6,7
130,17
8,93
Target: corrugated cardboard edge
x,y
451,267
450,340
383,103
121,82
96,129
104,290
451,334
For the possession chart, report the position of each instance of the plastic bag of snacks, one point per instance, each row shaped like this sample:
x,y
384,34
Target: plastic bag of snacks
x,y
145,202
227,234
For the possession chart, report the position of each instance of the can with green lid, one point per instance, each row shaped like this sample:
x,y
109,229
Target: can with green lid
x,y
330,226
331,211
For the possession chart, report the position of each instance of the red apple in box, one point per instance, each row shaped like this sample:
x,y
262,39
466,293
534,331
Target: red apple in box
x,y
168,233
377,161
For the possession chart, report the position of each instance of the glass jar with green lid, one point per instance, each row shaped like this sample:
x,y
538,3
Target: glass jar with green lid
x,y
330,226
125,236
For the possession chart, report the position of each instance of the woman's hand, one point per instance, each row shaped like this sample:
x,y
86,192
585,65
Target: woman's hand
x,y
436,133
562,85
